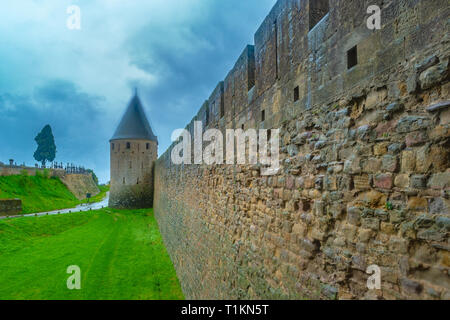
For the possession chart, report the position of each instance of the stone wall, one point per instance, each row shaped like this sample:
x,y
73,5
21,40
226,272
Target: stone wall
x,y
6,170
365,175
80,185
9,207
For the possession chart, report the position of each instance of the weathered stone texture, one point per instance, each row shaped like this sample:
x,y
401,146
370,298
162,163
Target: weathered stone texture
x,y
132,173
80,185
364,167
9,207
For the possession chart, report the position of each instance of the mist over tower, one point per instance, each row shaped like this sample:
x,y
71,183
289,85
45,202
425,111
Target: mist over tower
x,y
133,151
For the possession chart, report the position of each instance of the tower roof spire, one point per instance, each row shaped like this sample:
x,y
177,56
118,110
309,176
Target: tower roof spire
x,y
134,123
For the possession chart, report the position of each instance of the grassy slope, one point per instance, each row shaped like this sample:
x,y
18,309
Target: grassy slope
x,y
40,194
103,190
120,253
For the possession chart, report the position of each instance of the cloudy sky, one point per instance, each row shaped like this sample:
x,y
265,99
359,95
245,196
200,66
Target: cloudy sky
x,y
80,81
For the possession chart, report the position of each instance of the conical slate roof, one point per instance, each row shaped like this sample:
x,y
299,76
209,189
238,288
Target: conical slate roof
x,y
134,123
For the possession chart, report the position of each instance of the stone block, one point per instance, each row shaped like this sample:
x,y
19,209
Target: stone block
x,y
408,161
397,216
10,207
433,76
364,235
402,181
398,245
439,181
290,182
372,165
417,203
434,156
439,206
352,165
395,107
371,223
395,148
361,182
418,181
381,214
383,181
410,286
432,235
389,163
444,118
412,123
380,149
388,228
354,216
415,139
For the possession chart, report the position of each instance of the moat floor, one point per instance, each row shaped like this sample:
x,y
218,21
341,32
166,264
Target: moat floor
x,y
120,255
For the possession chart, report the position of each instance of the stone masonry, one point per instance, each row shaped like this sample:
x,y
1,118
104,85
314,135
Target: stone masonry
x,y
133,151
132,174
9,207
365,178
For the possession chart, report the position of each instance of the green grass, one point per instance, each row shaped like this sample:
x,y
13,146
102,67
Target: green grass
x,y
41,194
38,193
120,253
103,190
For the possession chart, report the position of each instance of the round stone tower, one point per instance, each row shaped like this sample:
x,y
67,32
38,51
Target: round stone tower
x,y
133,150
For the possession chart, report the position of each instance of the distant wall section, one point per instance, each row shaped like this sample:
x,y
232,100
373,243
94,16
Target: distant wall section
x,y
79,184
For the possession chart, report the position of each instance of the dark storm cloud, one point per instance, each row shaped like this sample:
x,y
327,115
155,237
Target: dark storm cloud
x,y
64,94
189,60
